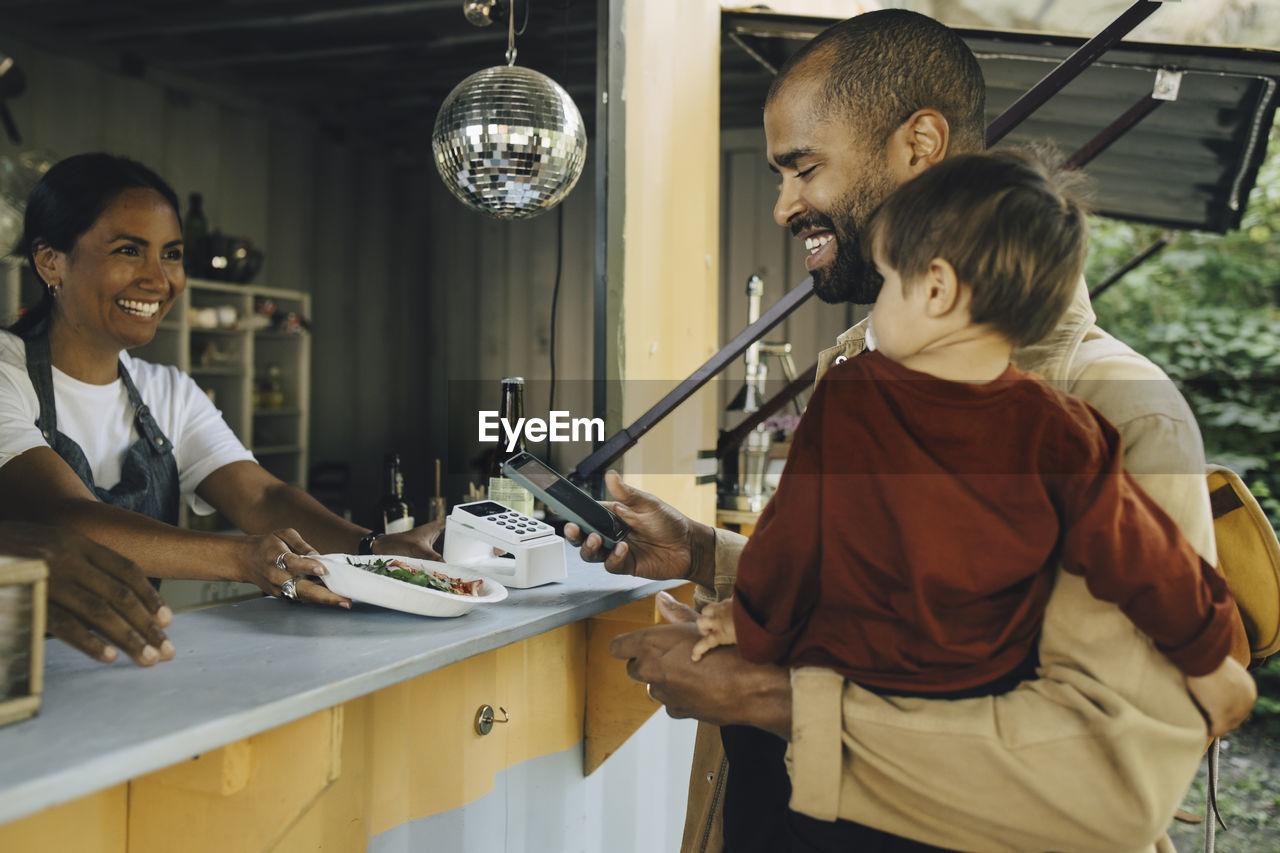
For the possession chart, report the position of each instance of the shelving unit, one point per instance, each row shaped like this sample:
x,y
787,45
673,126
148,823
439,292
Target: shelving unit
x,y
229,360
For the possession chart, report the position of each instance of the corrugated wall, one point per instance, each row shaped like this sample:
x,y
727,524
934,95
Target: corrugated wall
x,y
409,288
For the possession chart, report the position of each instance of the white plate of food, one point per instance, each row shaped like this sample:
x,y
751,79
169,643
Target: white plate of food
x,y
424,587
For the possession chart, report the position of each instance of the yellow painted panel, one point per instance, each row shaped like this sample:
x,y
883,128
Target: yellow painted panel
x,y
337,820
683,594
547,679
670,286
243,797
92,824
423,755
330,781
617,705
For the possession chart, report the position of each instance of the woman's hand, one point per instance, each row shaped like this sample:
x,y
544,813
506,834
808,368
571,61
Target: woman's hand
x,y
664,544
273,558
98,602
424,541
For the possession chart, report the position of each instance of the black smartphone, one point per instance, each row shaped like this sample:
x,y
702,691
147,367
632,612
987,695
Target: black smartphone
x,y
566,499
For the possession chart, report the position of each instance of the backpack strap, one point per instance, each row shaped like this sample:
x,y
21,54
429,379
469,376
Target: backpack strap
x,y
1249,558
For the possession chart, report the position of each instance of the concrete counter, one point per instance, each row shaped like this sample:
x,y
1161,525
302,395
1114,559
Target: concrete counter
x,y
243,669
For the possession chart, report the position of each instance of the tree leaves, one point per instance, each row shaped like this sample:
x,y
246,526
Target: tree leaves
x,y
1207,310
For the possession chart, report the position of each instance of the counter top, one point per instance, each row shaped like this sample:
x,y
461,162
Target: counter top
x,y
242,669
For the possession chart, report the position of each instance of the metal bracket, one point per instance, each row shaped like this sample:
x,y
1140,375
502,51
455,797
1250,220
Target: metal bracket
x,y
485,719
1167,84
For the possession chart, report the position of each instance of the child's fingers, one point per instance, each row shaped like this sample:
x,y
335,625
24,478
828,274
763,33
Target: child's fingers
x,y
703,646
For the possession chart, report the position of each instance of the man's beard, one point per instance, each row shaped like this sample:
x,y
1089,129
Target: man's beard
x,y
851,277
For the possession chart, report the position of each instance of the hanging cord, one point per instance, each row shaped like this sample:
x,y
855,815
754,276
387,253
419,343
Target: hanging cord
x,y
555,298
1212,817
511,33
511,30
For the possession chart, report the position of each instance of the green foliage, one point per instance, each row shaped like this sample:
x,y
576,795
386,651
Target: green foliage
x,y
1207,310
1266,714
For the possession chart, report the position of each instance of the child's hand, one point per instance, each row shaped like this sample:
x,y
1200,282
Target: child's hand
x,y
1225,696
715,623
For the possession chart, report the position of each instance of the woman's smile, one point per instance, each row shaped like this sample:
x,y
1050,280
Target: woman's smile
x,y
119,280
136,308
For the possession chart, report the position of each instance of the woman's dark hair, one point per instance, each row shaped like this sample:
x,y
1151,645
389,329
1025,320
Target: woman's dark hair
x,y
66,202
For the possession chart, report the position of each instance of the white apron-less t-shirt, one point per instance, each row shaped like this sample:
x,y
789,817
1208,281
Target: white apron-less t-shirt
x,y
99,418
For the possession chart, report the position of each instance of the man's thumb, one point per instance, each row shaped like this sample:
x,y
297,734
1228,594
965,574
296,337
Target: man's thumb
x,y
674,611
618,490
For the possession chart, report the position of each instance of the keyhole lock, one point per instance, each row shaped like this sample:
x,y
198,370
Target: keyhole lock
x,y
485,719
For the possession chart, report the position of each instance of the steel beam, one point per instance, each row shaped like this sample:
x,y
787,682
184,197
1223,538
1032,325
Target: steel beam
x,y
1133,263
1069,69
730,439
1118,128
623,440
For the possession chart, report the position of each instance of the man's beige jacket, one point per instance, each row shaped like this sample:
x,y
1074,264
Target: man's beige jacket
x,y
1095,755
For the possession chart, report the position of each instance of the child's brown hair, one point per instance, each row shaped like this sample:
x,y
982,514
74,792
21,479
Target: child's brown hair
x,y
1013,229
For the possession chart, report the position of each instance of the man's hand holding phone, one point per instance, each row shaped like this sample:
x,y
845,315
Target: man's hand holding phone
x,y
664,543
566,499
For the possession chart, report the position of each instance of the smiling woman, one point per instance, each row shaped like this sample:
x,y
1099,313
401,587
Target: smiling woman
x,y
94,439
115,284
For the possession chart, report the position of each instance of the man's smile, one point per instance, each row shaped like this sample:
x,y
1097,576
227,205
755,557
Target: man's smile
x,y
819,244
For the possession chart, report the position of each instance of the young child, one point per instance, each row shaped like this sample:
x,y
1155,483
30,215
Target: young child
x,y
932,488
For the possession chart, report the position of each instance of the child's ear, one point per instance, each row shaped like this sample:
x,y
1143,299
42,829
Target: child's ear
x,y
943,291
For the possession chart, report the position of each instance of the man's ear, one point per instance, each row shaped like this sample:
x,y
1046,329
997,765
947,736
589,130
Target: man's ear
x,y
918,143
48,264
943,291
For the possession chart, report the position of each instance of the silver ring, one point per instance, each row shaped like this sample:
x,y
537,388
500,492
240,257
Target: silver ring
x,y
289,589
280,561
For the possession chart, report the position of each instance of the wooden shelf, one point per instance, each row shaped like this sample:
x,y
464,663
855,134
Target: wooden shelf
x,y
231,384
277,449
217,331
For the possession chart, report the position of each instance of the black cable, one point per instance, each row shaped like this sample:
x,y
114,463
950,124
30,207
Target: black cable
x,y
555,290
524,25
555,298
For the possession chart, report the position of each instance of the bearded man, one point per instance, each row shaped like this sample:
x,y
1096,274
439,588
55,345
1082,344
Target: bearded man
x,y
1098,750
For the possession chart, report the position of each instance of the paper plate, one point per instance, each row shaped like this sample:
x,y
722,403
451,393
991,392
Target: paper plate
x,y
359,584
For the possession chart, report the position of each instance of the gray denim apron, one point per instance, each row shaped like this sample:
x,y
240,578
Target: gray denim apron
x,y
148,476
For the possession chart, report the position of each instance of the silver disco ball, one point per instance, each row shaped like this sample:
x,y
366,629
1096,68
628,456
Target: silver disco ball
x,y
509,142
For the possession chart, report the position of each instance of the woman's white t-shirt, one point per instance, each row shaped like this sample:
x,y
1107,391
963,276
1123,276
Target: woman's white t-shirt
x,y
99,418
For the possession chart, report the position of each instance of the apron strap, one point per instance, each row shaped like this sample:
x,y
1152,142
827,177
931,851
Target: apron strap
x,y
40,370
146,424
